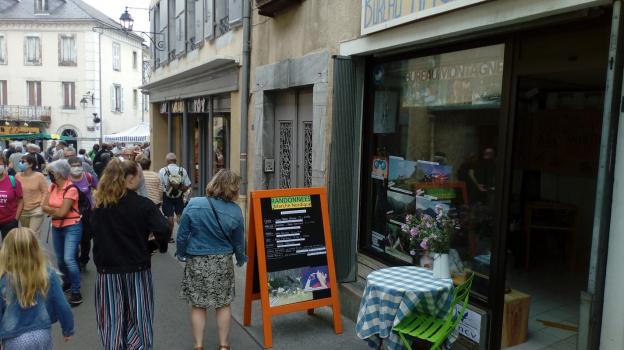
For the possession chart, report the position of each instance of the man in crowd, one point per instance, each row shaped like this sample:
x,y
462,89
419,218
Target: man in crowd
x,y
71,152
176,182
40,163
93,152
14,158
50,151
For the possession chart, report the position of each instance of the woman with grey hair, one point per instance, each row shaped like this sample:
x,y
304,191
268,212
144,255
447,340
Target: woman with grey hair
x,y
62,205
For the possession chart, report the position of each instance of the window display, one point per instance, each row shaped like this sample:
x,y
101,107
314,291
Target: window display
x,y
433,123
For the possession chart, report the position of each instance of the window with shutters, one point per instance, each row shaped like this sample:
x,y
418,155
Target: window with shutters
x,y
116,57
42,6
222,20
190,25
34,93
117,98
32,50
135,60
171,33
135,98
67,50
3,50
69,95
208,19
198,21
3,93
180,21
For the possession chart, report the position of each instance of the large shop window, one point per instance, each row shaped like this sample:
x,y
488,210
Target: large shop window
x,y
433,127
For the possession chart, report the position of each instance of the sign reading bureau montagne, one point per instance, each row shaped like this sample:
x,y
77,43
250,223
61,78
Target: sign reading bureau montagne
x,y
291,264
382,14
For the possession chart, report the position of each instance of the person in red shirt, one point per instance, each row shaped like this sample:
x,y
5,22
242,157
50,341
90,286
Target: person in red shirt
x,y
11,202
62,205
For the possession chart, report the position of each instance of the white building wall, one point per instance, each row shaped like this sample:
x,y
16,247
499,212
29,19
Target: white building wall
x,y
85,75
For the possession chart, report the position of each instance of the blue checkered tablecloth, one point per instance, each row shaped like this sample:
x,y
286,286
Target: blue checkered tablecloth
x,y
391,294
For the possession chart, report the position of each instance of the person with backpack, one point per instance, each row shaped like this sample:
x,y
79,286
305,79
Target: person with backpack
x,y
11,199
62,204
86,183
176,182
35,188
32,296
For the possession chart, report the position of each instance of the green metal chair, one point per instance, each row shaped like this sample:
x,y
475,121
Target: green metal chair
x,y
436,330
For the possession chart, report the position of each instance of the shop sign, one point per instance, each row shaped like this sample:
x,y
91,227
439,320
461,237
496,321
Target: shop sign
x,y
470,325
378,15
8,130
291,261
198,105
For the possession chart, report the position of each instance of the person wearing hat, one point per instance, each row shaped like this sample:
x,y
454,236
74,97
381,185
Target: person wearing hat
x,y
175,181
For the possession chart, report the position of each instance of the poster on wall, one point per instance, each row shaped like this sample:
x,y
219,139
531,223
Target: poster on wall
x,y
399,205
397,243
385,112
402,174
380,168
433,172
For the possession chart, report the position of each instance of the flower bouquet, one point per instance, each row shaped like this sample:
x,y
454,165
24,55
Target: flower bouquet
x,y
432,231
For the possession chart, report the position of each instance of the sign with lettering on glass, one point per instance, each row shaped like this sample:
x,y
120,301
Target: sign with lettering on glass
x,y
383,14
291,263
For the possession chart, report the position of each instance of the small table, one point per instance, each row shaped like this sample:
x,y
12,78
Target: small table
x,y
391,294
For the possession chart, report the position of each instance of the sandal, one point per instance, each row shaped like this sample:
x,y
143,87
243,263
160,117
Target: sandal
x,y
224,347
199,348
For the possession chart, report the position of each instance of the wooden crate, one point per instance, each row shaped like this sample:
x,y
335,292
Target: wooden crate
x,y
515,318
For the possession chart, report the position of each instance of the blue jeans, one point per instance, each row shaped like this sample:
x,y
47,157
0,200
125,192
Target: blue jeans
x,y
66,241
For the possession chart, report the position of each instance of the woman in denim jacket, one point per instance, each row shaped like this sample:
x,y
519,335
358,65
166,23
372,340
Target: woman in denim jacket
x,y
28,311
211,230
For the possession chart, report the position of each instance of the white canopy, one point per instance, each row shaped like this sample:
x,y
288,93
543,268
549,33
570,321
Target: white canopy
x,y
138,133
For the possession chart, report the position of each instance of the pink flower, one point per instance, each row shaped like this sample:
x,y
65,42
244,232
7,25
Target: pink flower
x,y
409,218
414,231
424,244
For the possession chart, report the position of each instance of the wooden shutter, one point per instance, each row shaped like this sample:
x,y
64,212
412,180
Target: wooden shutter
x,y
163,23
38,88
235,9
180,29
208,19
113,98
121,99
72,95
3,92
199,21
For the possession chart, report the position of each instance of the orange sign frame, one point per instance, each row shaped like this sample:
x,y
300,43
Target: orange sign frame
x,y
256,253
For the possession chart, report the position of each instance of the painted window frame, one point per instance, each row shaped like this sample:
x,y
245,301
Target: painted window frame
x,y
38,59
72,60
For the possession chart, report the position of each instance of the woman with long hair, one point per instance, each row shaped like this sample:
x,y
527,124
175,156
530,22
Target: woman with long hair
x,y
216,222
31,295
35,188
122,222
62,205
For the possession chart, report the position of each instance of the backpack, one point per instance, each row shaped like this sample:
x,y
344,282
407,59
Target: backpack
x,y
175,183
84,206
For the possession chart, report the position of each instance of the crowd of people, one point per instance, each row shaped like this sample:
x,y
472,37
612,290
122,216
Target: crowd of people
x,y
109,196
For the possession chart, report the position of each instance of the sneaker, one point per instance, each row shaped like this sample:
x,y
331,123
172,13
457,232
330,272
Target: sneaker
x,y
66,287
75,299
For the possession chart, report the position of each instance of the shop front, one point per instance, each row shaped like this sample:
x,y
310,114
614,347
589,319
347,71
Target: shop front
x,y
193,115
498,127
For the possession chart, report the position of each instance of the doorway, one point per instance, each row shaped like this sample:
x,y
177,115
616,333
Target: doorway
x,y
293,146
559,102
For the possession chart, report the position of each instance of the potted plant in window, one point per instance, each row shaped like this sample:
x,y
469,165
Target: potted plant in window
x,y
432,231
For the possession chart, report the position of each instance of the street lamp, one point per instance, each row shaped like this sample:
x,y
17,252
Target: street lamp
x,y
127,22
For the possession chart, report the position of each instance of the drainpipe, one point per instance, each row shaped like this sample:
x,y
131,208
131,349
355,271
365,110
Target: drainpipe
x,y
244,95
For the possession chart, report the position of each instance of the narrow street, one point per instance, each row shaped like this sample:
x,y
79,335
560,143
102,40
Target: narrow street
x,y
172,326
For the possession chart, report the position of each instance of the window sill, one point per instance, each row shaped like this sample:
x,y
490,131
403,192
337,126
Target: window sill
x,y
68,64
32,64
68,109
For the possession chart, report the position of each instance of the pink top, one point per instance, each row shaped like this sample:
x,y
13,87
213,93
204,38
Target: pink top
x,y
8,199
56,201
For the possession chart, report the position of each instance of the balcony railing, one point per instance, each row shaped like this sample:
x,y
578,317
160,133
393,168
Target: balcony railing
x,y
270,8
25,113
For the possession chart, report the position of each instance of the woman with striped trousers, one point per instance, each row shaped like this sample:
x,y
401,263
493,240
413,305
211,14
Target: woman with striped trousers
x,y
122,222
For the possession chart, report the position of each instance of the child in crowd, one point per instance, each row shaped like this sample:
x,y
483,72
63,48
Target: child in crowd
x,y
31,297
